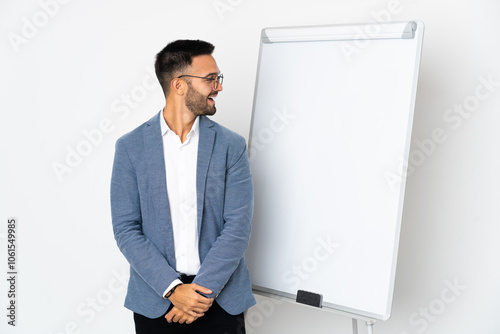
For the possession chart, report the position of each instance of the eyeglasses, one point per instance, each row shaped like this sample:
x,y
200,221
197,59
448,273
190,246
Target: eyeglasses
x,y
217,80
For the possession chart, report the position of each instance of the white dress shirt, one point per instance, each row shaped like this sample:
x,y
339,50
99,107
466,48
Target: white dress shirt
x,y
180,166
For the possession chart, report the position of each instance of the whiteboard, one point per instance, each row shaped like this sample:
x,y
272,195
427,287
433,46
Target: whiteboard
x,y
331,128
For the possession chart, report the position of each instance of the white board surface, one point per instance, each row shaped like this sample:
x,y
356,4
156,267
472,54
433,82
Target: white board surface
x,y
331,125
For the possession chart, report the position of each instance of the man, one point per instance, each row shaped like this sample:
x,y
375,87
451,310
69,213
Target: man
x,y
182,205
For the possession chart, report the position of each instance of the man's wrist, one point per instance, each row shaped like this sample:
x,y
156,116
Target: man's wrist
x,y
171,286
171,291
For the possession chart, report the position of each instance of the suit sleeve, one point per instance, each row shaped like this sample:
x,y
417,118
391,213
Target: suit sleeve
x,y
229,248
144,257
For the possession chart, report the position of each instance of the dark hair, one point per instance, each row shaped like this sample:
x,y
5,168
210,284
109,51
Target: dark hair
x,y
176,57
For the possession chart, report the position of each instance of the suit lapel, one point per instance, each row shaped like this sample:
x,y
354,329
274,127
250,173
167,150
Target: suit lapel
x,y
155,161
205,149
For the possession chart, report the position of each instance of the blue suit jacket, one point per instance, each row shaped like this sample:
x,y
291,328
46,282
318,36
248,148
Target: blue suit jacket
x,y
143,227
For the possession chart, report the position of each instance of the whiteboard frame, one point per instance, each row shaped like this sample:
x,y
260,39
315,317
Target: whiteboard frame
x,y
393,30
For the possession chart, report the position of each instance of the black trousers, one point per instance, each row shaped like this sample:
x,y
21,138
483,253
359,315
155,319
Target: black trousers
x,y
215,321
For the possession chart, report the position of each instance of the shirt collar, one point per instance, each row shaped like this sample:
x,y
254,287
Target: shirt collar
x,y
164,126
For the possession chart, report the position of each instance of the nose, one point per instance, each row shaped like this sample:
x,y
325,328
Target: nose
x,y
219,87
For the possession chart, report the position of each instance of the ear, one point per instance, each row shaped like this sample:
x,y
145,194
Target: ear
x,y
177,86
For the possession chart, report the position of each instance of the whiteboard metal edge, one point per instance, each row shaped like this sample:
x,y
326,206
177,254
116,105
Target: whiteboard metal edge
x,y
340,310
389,30
419,36
256,89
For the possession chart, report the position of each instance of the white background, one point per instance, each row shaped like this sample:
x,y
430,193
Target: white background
x,y
70,67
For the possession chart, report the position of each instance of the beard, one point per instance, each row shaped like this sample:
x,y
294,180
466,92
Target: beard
x,y
197,103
